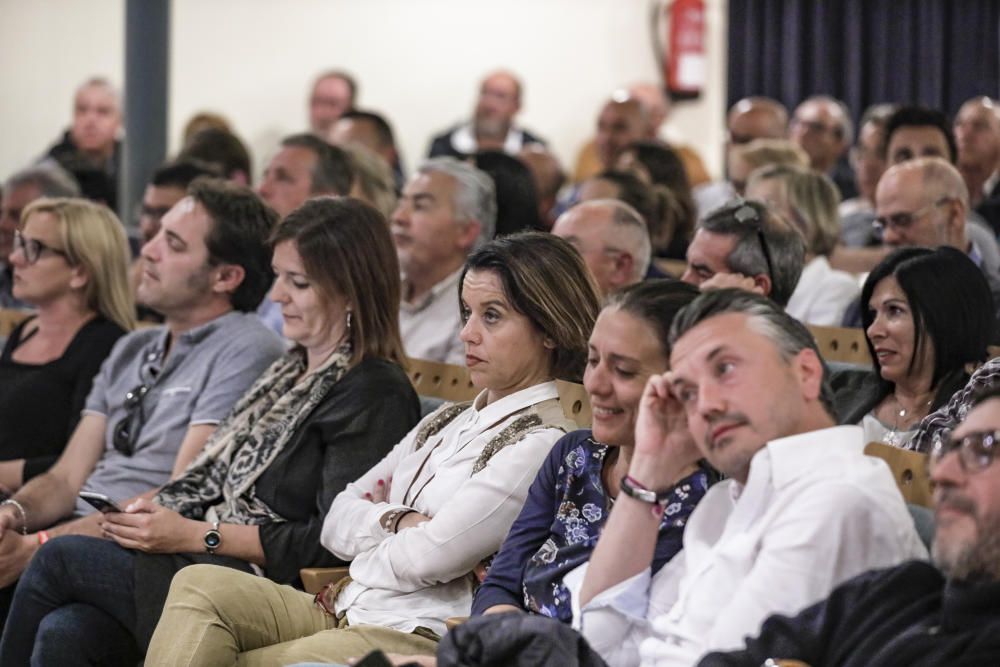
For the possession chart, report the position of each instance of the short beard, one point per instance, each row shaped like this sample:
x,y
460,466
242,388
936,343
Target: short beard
x,y
979,561
490,128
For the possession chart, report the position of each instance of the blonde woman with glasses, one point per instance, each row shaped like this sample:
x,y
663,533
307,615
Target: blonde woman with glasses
x,y
70,262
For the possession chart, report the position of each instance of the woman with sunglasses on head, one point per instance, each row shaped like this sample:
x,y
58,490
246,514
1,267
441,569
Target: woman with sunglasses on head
x,y
928,315
255,498
420,521
70,262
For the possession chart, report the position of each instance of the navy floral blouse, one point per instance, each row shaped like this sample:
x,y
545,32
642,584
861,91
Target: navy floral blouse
x,y
560,524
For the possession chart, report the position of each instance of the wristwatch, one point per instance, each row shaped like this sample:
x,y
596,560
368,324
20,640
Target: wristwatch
x,y
213,538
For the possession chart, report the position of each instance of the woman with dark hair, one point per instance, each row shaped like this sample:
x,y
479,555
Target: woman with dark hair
x,y
517,196
927,315
572,495
417,523
254,499
659,165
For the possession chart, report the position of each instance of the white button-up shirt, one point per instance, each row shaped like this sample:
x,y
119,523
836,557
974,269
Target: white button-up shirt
x,y
430,327
419,576
822,294
815,511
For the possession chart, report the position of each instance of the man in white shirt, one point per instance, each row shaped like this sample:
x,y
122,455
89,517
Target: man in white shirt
x,y
803,508
447,209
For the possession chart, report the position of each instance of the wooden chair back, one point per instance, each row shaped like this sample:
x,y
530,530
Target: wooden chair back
x,y
909,468
444,381
10,318
842,344
575,403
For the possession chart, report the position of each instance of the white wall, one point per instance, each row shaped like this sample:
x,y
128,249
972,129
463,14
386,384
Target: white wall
x,y
418,61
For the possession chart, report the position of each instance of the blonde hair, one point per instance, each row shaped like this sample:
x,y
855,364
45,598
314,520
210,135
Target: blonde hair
x,y
811,200
763,152
373,178
93,238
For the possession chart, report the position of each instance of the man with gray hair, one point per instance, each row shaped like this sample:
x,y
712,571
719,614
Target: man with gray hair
x,y
611,237
802,510
447,209
742,244
822,126
46,179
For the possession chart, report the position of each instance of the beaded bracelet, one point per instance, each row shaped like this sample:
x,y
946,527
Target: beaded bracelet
x,y
20,509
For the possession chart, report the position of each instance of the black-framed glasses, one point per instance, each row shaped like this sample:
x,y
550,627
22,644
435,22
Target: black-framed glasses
x,y
127,430
904,220
747,214
976,451
32,249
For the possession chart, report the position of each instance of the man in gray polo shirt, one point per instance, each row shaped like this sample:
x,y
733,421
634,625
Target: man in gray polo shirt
x,y
162,391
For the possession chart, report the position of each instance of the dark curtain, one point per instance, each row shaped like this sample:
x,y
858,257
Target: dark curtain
x,y
936,53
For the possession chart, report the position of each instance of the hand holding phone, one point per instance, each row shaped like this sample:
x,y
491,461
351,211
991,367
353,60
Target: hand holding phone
x,y
100,501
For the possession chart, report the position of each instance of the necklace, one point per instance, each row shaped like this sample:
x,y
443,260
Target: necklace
x,y
893,436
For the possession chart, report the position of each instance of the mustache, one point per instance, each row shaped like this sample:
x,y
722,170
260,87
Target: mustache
x,y
951,499
727,419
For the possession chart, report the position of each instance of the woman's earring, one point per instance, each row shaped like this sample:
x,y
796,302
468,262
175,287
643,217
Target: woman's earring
x,y
348,325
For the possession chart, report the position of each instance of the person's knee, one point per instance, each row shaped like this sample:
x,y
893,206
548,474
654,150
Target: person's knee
x,y
56,632
201,584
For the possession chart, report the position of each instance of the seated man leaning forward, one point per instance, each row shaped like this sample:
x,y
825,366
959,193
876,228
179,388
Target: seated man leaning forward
x,y
424,517
804,508
163,390
916,614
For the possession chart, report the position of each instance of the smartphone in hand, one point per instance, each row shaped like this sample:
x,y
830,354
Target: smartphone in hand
x,y
100,501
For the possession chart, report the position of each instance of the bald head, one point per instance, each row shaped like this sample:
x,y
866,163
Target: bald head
x,y
823,128
96,118
654,103
922,202
977,133
611,237
622,120
757,118
498,102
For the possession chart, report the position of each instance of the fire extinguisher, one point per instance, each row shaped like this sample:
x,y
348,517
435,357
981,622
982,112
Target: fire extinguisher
x,y
685,66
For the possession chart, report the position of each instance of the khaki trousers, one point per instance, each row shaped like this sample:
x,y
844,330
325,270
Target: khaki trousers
x,y
218,616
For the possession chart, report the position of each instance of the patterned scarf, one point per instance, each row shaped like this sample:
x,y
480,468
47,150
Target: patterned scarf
x,y
247,441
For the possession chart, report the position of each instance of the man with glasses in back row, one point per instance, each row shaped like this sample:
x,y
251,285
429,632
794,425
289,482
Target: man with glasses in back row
x,y
744,245
162,391
916,614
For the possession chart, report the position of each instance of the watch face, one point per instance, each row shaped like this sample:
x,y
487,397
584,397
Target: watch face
x,y
212,539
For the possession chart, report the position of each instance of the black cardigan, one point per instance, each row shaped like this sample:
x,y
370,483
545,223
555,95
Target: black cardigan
x,y
365,414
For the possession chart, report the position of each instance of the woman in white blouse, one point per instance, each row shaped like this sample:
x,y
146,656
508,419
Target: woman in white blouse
x,y
809,200
441,502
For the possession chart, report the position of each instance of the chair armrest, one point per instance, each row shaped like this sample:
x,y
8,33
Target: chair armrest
x,y
315,578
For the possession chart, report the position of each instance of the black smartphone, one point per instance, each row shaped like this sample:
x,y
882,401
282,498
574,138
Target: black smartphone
x,y
100,501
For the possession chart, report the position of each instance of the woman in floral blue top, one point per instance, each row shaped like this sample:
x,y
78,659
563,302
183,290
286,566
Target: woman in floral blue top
x,y
572,495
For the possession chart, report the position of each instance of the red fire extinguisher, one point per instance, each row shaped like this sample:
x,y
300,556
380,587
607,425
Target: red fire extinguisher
x,y
685,66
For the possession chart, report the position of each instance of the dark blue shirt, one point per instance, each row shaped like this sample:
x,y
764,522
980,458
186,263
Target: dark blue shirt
x,y
559,526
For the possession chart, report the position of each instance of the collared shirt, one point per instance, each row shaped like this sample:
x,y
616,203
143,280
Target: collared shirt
x,y
463,140
815,511
430,327
207,369
418,576
822,294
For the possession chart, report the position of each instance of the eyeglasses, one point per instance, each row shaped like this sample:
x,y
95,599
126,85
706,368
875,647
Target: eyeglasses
x,y
747,214
901,221
975,450
32,249
127,430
